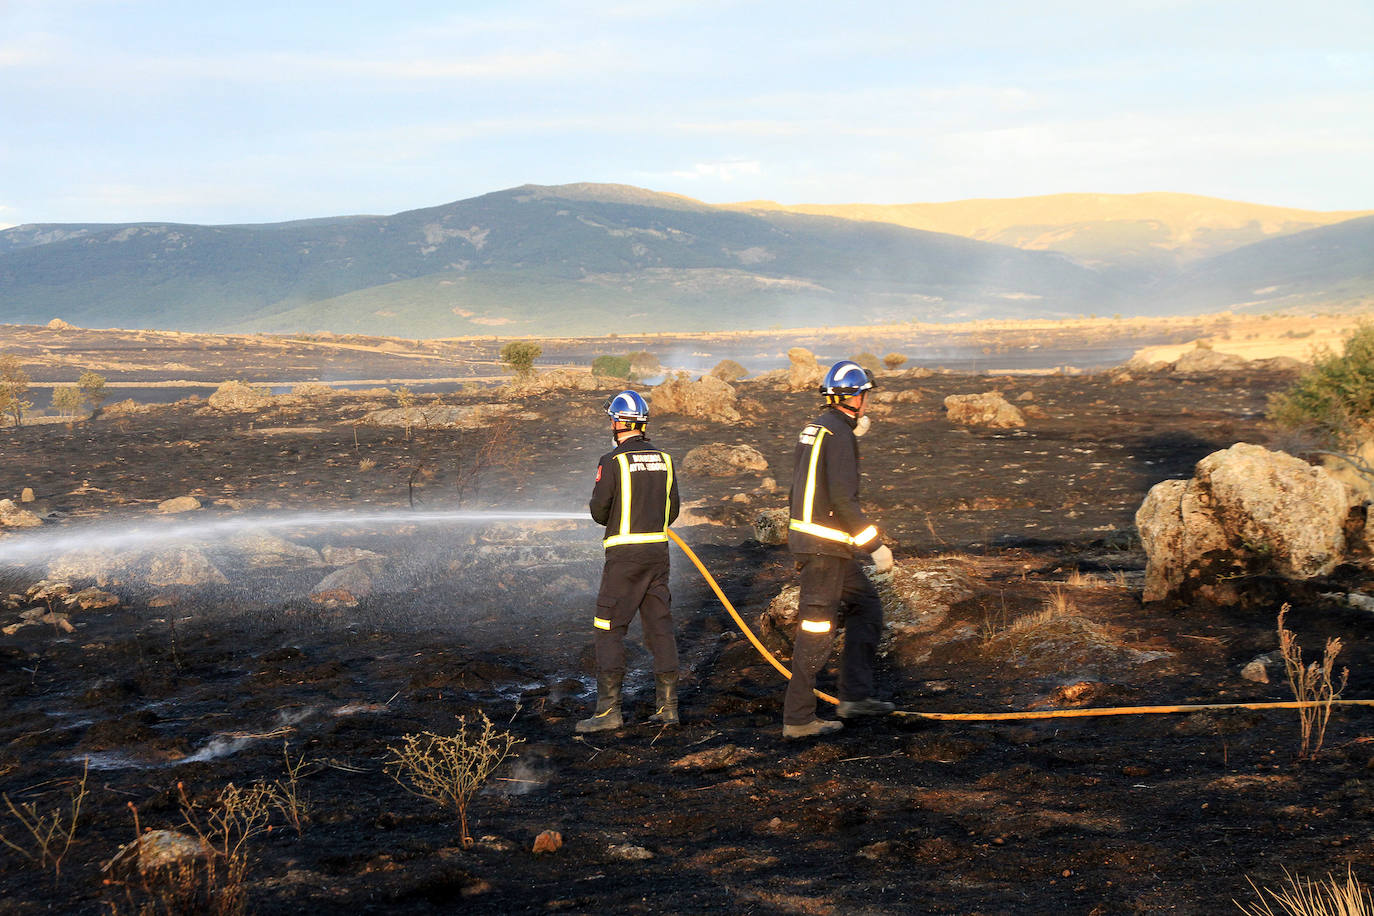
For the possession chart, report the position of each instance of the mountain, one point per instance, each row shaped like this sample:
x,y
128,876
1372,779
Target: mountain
x,y
600,259
571,259
1151,230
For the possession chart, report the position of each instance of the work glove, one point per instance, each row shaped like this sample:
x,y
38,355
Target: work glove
x,y
882,559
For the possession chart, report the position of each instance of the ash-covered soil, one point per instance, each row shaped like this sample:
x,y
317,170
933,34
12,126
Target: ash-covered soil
x,y
202,685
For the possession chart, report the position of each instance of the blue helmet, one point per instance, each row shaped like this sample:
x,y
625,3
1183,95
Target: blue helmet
x,y
845,378
628,407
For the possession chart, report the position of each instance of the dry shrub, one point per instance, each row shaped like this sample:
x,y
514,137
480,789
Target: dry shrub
x,y
44,838
449,769
1311,684
894,360
367,464
1305,897
497,445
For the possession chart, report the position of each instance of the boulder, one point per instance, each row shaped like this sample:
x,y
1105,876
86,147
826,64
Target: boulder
x,y
11,516
770,526
1246,511
556,380
708,397
719,459
1201,360
986,409
183,566
92,599
155,851
727,370
344,586
178,504
261,550
26,495
804,373
236,395
57,324
347,556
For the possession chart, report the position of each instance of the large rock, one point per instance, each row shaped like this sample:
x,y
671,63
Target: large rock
x,y
236,395
1246,511
986,409
804,373
556,380
439,416
178,504
770,526
719,459
345,586
261,550
1202,360
708,397
183,566
12,516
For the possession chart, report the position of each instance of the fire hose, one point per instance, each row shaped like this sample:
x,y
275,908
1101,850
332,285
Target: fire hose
x,y
1003,716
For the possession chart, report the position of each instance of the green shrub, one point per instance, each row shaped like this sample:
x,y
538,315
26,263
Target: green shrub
x,y
66,400
14,385
643,363
520,356
92,388
1336,396
608,366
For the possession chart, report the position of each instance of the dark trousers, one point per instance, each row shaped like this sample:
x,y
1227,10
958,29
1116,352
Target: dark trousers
x,y
627,586
834,592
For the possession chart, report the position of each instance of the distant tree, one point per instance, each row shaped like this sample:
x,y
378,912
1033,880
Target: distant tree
x,y
611,367
520,356
92,388
14,385
894,360
66,400
727,370
868,361
644,364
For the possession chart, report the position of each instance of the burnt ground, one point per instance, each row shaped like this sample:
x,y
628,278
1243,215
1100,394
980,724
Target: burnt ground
x,y
1139,814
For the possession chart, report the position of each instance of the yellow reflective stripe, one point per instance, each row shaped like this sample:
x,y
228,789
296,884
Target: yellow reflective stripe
x,y
809,497
624,493
668,491
601,623
868,534
820,531
653,537
816,626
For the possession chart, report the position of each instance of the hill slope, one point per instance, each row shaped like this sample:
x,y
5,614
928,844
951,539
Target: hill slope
x,y
1132,230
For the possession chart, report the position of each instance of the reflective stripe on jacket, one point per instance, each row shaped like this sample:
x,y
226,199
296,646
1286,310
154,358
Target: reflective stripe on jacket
x,y
825,513
635,495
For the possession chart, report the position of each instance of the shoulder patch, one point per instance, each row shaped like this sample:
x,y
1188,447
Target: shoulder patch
x,y
598,473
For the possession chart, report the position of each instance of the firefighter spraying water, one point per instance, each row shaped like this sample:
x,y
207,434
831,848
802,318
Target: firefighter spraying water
x,y
635,496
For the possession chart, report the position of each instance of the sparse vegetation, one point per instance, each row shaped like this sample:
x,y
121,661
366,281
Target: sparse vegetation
x,y
43,838
1311,684
644,364
66,400
14,386
1335,398
449,769
729,371
1305,897
894,360
93,389
617,367
520,355
868,361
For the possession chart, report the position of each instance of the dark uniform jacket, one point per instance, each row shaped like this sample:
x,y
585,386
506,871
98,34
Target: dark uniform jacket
x,y
636,498
825,515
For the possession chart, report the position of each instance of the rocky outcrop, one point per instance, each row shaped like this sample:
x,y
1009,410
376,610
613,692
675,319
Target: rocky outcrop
x,y
12,516
183,566
719,459
708,398
556,380
439,416
236,395
261,550
804,373
1201,360
986,409
1246,511
178,504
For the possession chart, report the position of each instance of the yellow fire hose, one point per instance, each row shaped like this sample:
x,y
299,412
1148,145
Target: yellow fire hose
x,y
1000,716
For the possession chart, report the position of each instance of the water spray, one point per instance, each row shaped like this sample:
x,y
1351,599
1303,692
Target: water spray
x,y
1003,716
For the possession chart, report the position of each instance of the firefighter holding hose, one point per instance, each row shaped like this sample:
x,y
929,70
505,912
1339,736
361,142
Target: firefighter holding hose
x,y
826,528
636,498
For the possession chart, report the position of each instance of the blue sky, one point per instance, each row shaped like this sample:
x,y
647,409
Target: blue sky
x,y
118,110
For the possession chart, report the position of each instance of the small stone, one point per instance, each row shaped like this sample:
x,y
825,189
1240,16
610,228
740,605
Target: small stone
x,y
548,841
178,504
629,853
26,495
476,888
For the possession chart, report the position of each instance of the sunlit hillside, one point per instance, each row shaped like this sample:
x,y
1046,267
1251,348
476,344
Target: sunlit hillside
x,y
1117,229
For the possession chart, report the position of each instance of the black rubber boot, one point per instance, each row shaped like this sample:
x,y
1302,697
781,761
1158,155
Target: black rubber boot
x,y
665,699
607,716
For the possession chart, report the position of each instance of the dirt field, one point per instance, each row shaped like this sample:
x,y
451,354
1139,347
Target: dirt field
x,y
202,685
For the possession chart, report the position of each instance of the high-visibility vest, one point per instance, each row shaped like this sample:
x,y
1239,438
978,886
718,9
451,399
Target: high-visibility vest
x,y
806,525
624,533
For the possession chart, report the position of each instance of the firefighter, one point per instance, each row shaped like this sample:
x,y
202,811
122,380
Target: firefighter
x,y
636,498
826,528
